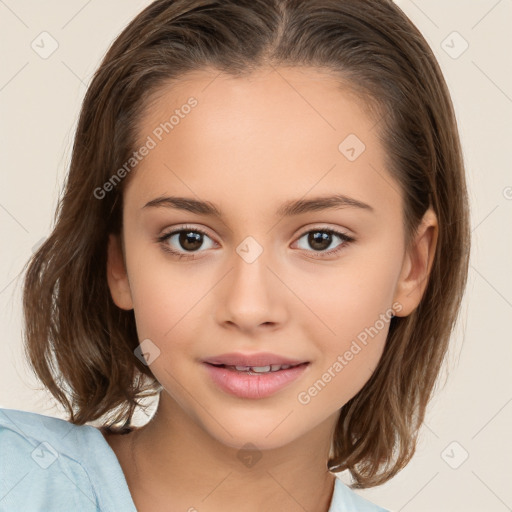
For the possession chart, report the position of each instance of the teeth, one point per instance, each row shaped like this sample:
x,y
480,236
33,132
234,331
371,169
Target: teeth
x,y
261,369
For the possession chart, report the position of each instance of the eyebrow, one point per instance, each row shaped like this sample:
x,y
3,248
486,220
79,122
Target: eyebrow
x,y
287,209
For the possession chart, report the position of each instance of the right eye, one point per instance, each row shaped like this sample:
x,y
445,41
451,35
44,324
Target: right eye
x,y
186,239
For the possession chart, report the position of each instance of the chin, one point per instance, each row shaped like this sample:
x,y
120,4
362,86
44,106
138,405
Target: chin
x,y
256,435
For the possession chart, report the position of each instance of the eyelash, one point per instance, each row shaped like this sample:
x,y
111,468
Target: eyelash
x,y
344,237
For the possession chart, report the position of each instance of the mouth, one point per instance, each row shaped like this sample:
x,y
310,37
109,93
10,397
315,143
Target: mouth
x,y
254,382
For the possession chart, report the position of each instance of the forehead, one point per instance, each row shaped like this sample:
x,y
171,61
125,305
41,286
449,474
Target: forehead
x,y
268,99
279,132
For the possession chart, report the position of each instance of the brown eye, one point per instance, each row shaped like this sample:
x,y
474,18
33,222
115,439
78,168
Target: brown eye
x,y
319,241
190,240
185,240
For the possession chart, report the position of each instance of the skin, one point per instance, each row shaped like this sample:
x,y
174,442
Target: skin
x,y
251,144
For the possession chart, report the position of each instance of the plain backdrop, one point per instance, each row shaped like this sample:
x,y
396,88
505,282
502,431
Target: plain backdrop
x,y
463,458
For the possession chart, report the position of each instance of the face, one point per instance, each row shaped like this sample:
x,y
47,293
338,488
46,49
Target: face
x,y
316,284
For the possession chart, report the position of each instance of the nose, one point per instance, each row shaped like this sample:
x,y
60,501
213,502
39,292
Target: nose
x,y
251,295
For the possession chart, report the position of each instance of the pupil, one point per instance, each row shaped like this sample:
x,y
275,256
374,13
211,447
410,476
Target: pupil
x,y
190,240
319,237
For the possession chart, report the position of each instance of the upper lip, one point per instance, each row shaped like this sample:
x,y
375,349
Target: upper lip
x,y
256,359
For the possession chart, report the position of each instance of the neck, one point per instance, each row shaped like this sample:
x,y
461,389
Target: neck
x,y
173,461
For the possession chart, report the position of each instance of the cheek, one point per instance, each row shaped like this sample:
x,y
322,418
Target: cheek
x,y
163,306
163,294
349,323
346,300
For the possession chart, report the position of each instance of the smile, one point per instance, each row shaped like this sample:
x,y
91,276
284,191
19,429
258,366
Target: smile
x,y
254,382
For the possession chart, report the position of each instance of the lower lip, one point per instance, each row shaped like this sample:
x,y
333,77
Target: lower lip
x,y
262,385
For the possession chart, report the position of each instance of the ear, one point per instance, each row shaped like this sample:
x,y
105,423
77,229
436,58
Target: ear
x,y
117,276
417,264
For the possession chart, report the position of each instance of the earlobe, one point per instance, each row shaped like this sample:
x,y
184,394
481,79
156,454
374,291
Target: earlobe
x,y
117,276
417,265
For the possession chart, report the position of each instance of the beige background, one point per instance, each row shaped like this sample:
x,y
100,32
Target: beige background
x,y
39,104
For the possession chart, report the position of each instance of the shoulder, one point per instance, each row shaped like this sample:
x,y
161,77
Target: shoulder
x,y
46,463
22,428
346,500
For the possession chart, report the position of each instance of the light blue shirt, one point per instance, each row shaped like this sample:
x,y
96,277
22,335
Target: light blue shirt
x,y
51,465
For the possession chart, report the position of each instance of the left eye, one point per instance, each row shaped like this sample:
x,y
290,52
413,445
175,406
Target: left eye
x,y
321,239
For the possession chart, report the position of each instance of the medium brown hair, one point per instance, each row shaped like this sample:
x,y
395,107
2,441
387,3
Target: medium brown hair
x,y
81,345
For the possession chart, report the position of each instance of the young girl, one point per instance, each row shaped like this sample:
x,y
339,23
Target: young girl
x,y
265,223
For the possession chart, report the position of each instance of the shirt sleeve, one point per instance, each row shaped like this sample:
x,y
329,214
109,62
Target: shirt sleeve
x,y
35,477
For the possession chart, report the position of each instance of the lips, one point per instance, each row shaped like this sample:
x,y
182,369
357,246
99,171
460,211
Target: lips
x,y
259,359
254,384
